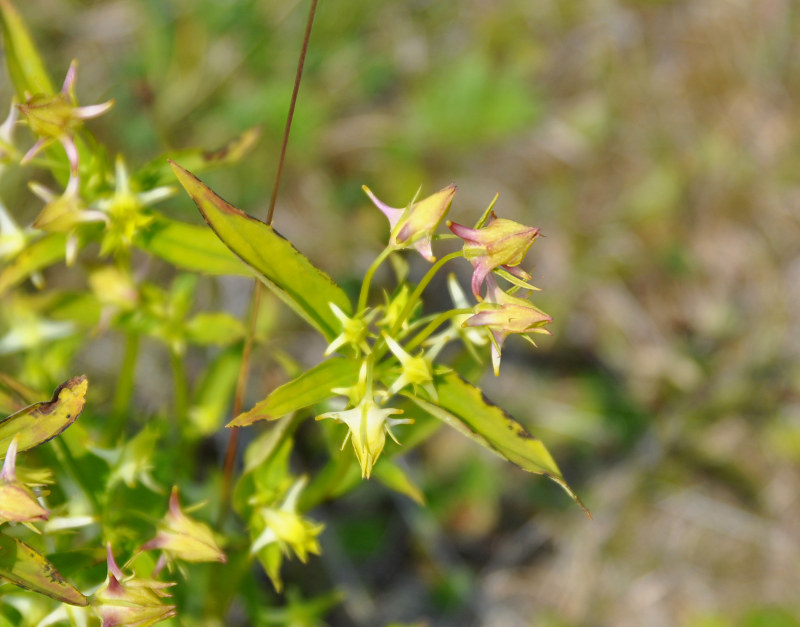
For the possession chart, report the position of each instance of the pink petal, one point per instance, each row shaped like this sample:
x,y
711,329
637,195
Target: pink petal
x,y
464,232
113,569
392,214
72,153
69,79
92,111
481,270
40,143
9,472
424,249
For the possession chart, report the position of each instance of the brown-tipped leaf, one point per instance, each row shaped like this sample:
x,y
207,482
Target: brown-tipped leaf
x,y
464,407
287,272
40,422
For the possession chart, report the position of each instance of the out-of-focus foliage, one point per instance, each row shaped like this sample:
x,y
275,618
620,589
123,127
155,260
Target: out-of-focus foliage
x,y
654,143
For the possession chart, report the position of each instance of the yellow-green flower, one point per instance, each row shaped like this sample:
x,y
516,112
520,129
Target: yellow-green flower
x,y
125,210
17,501
415,225
367,422
286,527
503,315
128,600
355,330
417,370
500,243
56,117
63,214
184,538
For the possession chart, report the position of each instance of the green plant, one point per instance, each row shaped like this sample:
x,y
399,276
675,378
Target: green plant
x,y
382,369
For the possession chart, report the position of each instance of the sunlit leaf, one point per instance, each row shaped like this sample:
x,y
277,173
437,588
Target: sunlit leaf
x,y
464,407
189,247
25,567
310,387
40,422
301,285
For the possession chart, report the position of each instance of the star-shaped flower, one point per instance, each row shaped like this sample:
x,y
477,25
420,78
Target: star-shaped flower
x,y
367,421
56,117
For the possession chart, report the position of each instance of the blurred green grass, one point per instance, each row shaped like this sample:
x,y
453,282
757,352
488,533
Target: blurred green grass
x,y
655,144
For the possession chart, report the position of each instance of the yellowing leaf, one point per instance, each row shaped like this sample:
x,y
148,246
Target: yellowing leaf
x,y
25,567
157,172
40,422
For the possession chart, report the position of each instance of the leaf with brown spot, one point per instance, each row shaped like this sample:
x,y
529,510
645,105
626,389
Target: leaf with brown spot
x,y
43,421
27,568
464,407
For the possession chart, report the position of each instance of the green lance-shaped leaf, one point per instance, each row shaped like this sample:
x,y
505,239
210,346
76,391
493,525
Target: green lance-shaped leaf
x,y
313,386
157,172
190,247
464,407
24,64
300,284
25,567
43,421
40,254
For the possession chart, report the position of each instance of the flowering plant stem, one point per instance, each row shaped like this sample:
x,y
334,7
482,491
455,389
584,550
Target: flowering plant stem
x,y
433,325
362,297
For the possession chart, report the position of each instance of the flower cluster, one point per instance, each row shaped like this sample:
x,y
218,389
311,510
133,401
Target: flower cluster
x,y
496,246
57,119
130,600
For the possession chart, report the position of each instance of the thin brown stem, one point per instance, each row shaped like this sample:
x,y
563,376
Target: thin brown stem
x,y
300,65
244,368
238,399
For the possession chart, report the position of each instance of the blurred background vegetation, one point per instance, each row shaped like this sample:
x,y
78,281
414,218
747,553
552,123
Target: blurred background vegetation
x,y
656,143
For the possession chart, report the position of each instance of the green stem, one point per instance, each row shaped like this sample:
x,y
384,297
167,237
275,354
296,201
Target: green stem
x,y
380,348
433,325
124,391
68,460
362,296
412,300
180,387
